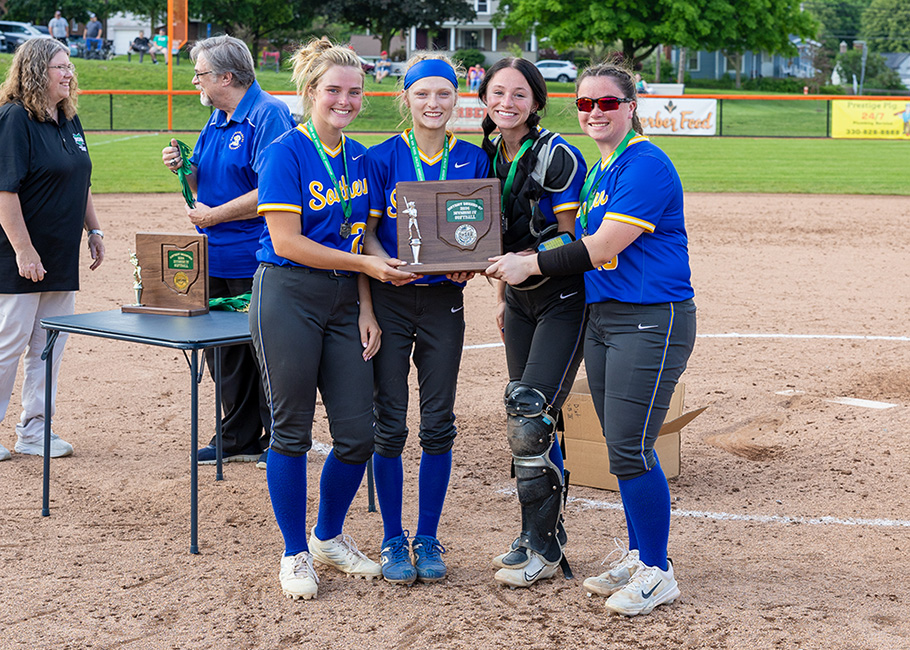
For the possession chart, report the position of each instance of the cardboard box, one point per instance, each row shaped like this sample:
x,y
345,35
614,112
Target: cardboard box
x,y
586,451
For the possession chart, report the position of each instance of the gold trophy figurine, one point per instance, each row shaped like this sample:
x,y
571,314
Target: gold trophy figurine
x,y
137,277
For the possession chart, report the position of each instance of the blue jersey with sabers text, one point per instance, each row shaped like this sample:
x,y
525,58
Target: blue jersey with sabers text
x,y
641,188
294,179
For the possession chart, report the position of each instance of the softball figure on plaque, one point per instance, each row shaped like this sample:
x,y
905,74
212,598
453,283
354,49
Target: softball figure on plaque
x,y
413,229
451,226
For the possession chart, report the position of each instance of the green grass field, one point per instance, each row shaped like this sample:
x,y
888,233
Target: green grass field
x,y
130,162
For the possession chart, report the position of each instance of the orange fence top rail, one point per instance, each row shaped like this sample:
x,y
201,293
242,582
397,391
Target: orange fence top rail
x,y
896,98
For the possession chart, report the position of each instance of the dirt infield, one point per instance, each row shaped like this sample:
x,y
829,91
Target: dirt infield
x,y
791,516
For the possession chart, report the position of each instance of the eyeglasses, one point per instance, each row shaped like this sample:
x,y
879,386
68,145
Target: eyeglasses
x,y
67,67
197,75
586,104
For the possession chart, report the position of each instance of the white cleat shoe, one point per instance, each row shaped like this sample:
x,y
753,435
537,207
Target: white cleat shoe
x,y
536,568
647,589
59,447
4,453
341,553
298,577
621,571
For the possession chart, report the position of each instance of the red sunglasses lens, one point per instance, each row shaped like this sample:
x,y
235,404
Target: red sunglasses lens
x,y
586,104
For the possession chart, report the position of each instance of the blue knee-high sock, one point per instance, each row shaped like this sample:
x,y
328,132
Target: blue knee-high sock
x,y
337,487
633,539
286,478
389,476
556,454
646,500
435,472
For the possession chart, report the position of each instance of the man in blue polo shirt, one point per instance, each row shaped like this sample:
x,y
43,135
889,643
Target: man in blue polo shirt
x,y
225,163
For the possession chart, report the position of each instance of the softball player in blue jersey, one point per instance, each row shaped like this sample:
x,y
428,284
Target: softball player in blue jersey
x,y
425,317
543,319
641,328
307,327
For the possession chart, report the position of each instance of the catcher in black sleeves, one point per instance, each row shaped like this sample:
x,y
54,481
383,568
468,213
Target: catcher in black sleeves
x,y
542,319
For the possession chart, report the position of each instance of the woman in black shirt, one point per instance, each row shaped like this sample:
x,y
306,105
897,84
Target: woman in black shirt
x,y
45,203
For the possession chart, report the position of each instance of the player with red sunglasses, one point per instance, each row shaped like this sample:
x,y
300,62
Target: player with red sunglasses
x,y
633,249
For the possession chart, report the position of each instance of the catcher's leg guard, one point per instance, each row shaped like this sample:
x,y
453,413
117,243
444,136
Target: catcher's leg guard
x,y
539,483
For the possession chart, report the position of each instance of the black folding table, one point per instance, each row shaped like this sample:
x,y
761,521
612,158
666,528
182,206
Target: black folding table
x,y
216,330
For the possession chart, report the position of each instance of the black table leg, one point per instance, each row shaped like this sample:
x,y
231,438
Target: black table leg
x,y
371,490
48,357
194,445
219,476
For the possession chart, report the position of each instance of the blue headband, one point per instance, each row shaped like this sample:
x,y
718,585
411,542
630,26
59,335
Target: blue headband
x,y
430,68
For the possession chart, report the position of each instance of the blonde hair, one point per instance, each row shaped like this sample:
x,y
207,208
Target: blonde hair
x,y
623,78
313,60
416,58
28,79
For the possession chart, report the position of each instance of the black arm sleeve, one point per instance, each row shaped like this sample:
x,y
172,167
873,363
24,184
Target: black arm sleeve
x,y
570,259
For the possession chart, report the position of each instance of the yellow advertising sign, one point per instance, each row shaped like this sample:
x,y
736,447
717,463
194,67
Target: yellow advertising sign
x,y
873,119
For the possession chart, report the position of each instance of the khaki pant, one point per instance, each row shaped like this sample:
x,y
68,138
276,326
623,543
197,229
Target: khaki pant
x,y
21,332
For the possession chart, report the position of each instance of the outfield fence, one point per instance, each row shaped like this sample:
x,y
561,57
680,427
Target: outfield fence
x,y
801,116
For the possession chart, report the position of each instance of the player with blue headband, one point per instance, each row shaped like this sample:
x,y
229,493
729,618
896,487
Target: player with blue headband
x,y
430,68
425,317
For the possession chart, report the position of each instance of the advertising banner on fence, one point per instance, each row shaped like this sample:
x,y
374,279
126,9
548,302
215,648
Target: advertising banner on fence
x,y
876,119
677,116
468,114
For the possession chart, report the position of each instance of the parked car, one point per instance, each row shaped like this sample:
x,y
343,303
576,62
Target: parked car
x,y
553,70
17,33
366,65
2,43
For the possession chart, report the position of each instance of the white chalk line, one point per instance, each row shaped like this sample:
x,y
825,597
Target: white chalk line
x,y
129,137
847,401
830,337
593,504
864,403
738,335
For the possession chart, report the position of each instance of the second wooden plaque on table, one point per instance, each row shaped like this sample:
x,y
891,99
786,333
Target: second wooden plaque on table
x,y
448,226
170,274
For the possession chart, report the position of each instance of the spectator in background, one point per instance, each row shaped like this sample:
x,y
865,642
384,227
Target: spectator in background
x,y
92,34
159,45
59,27
383,67
641,86
141,46
475,76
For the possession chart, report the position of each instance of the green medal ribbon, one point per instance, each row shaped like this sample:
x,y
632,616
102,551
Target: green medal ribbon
x,y
345,204
232,303
185,169
594,179
507,188
418,167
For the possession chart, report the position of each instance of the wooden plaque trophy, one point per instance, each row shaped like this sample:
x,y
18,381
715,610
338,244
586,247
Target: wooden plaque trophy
x,y
170,273
448,226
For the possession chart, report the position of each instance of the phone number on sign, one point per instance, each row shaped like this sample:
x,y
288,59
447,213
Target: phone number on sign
x,y
873,132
